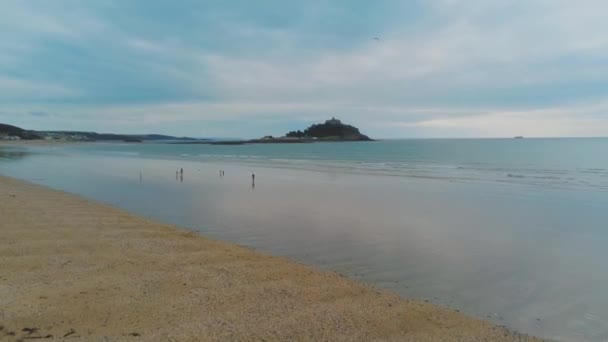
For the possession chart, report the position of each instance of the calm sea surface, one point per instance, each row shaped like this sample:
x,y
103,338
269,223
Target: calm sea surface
x,y
511,230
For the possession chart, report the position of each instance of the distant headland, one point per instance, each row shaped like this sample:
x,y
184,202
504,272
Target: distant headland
x,y
8,132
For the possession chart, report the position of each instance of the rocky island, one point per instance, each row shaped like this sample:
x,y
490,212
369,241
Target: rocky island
x,y
332,130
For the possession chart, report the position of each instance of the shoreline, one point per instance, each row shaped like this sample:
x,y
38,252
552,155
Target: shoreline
x,y
44,143
84,269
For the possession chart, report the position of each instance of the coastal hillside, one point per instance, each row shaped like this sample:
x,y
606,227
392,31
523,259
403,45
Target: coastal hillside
x,y
9,132
94,136
332,129
14,132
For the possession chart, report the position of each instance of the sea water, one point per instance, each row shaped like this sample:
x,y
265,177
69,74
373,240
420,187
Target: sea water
x,y
511,230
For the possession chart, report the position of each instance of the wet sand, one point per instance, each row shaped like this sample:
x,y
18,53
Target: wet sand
x,y
75,269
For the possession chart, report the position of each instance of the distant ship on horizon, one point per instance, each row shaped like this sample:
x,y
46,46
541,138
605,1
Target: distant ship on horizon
x,y
518,137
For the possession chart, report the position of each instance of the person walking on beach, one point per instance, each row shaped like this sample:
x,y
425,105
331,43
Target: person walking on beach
x,y
253,180
181,171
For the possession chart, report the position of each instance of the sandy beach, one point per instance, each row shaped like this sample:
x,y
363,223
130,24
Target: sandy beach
x,y
74,269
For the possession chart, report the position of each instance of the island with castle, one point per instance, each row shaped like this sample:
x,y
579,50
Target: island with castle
x,y
332,130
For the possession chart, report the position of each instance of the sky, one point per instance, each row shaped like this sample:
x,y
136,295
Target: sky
x,y
242,68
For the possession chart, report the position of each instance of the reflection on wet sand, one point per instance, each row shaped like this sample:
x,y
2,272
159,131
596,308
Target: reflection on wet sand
x,y
12,153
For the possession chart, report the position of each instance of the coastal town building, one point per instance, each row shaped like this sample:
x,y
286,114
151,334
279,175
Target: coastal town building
x,y
9,137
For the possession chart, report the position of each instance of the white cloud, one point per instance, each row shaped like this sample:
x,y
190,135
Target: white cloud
x,y
240,118
15,89
465,50
41,19
468,67
574,120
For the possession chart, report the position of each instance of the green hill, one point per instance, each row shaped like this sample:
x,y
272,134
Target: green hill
x,y
10,130
14,131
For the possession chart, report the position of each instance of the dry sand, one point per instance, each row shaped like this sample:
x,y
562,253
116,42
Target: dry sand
x,y
74,269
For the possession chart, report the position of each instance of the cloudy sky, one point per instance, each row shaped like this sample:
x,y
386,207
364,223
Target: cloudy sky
x,y
242,68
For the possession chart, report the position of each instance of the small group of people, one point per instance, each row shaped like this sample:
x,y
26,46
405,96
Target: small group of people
x,y
222,174
179,175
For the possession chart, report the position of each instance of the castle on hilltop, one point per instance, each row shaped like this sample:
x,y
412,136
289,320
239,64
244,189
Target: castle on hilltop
x,y
333,121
